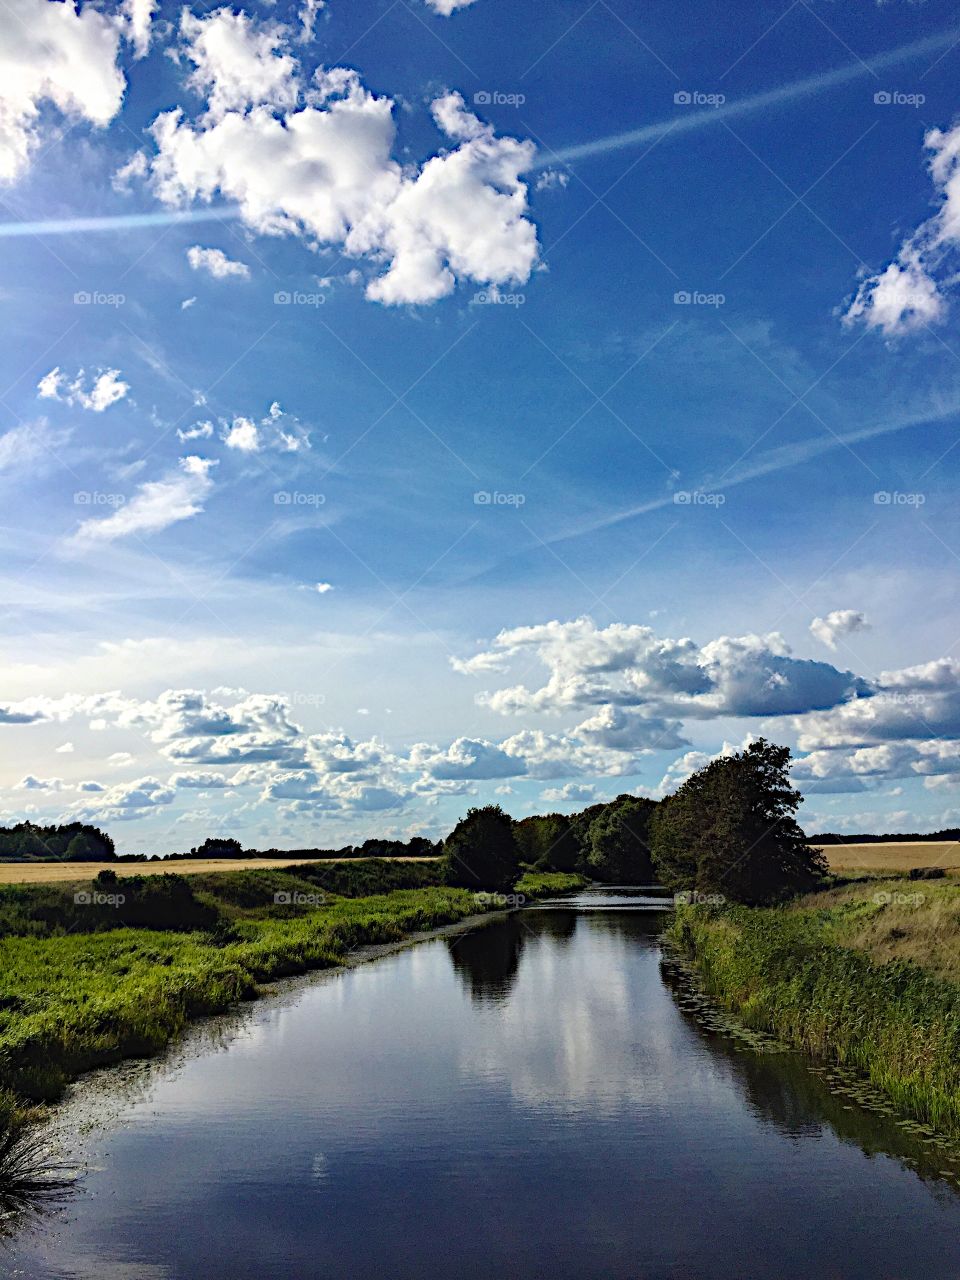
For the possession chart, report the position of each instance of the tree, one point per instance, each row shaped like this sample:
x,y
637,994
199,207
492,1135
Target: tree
x,y
618,842
481,852
548,842
730,830
218,847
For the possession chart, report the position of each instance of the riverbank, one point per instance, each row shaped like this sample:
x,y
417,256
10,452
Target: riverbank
x,y
862,976
72,1000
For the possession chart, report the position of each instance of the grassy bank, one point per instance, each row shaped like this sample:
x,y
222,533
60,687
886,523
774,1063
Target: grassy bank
x,y
73,1000
836,976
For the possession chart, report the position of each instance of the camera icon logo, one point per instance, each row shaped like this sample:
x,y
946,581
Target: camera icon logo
x,y
482,98
683,98
882,98
281,298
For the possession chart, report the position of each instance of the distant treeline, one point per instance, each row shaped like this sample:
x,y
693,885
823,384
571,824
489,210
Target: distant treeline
x,y
221,847
902,837
71,842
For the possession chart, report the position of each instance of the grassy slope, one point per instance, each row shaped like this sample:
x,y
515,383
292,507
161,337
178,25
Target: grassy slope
x,y
836,975
70,1001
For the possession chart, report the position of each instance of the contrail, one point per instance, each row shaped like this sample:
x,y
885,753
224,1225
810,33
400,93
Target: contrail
x,y
769,463
117,222
687,120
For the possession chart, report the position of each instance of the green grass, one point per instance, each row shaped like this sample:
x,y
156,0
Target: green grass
x,y
80,988
70,1001
793,971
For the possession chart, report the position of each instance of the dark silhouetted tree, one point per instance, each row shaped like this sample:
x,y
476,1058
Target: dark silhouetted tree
x,y
481,851
730,830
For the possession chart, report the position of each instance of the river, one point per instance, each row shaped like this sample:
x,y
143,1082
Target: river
x,y
529,1098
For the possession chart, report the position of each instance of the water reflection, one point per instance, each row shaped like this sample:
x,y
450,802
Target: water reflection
x,y
487,958
790,1093
537,1094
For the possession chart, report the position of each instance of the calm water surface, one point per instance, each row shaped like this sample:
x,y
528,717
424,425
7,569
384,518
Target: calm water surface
x,y
526,1099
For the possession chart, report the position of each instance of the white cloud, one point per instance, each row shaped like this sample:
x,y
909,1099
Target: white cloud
x,y
446,7
239,62
186,304
242,434
199,431
837,623
552,180
312,159
323,587
50,53
216,263
65,749
309,12
155,506
569,793
25,445
912,292
108,388
135,167
628,666
139,29
30,783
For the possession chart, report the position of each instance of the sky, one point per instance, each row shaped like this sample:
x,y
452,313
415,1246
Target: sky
x,y
414,404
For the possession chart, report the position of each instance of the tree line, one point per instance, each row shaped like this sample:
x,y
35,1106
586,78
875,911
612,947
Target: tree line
x,y
728,832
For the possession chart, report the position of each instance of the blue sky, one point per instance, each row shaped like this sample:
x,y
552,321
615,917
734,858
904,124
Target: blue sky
x,y
446,407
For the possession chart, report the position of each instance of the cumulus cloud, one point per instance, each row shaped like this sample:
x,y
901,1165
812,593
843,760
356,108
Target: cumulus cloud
x,y
53,54
106,389
629,666
569,793
139,24
912,291
242,435
155,506
124,802
30,783
312,158
216,263
837,623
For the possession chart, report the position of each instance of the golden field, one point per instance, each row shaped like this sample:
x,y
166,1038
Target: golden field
x,y
50,872
883,859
